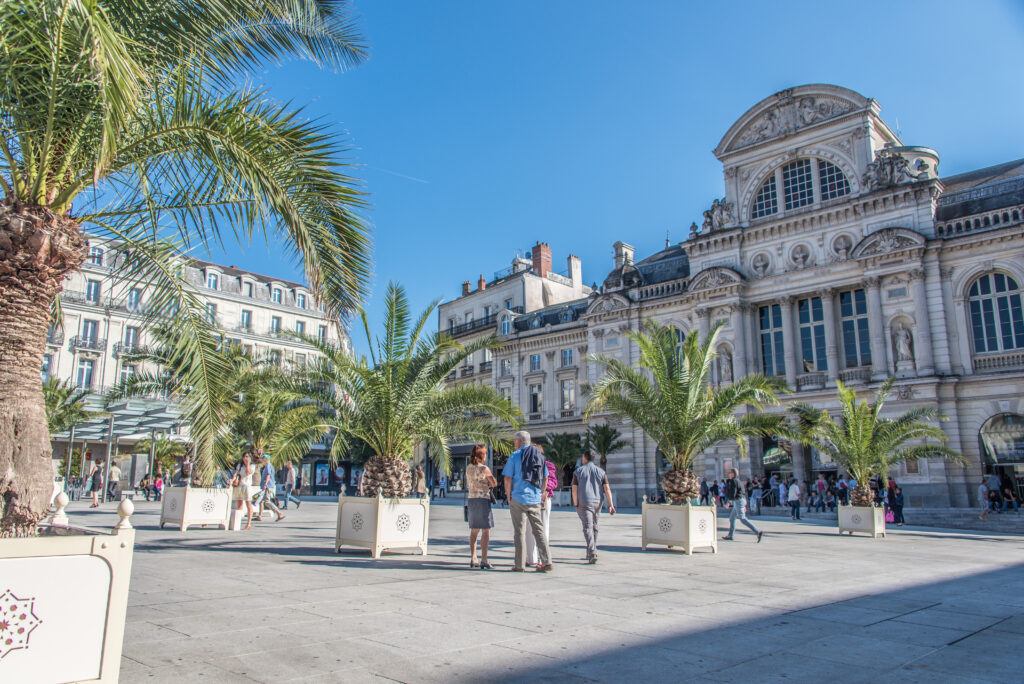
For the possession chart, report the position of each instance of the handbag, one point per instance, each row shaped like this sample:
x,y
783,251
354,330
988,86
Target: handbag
x,y
890,516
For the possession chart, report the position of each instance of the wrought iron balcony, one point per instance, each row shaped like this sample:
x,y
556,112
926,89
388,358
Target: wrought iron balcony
x,y
485,366
128,348
55,337
467,371
88,343
567,413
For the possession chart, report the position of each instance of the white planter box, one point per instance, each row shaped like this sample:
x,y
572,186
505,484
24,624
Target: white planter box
x,y
63,600
379,524
862,519
188,506
689,527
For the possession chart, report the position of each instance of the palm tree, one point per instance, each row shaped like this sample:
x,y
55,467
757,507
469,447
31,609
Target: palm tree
x,y
397,400
66,406
563,449
670,396
604,439
165,451
126,119
867,445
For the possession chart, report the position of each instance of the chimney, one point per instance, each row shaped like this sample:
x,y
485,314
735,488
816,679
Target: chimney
x,y
481,284
465,288
575,270
542,259
623,254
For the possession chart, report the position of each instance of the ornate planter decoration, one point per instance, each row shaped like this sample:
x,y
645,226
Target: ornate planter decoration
x,y
380,524
689,527
188,506
862,519
63,598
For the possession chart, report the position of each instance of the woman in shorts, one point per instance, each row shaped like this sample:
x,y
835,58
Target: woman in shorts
x,y
479,480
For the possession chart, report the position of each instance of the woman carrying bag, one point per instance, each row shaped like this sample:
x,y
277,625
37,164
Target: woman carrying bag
x,y
243,487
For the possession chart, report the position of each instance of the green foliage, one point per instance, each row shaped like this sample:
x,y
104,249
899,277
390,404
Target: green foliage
x,y
397,399
561,448
66,406
604,439
167,451
668,394
867,445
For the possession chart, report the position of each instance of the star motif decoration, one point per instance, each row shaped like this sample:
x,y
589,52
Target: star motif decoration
x,y
17,621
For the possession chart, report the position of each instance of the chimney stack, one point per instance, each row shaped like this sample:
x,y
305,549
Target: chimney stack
x,y
542,259
465,288
623,254
481,284
575,270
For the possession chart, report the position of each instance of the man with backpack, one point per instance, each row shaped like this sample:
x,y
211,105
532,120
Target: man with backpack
x,y
736,498
525,477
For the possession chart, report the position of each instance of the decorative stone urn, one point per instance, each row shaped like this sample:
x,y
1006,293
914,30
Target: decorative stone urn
x,y
63,598
689,527
188,506
867,519
381,524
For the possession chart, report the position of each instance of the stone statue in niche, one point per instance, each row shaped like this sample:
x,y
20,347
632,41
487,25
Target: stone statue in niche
x,y
801,255
760,265
842,246
902,343
888,169
726,365
718,216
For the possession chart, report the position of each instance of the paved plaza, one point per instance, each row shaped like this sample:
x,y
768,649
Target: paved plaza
x,y
277,604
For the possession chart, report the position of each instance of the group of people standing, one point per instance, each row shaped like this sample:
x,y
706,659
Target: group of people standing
x,y
530,481
245,491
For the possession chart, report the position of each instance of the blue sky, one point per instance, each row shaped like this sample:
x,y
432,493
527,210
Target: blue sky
x,y
482,127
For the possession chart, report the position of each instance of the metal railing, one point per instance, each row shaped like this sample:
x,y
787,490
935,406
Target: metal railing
x,y
128,348
485,366
467,371
55,337
91,343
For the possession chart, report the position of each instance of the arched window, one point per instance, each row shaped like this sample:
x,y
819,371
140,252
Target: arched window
x,y
803,182
997,320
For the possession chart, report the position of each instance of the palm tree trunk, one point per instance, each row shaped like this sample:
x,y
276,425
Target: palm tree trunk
x,y
37,249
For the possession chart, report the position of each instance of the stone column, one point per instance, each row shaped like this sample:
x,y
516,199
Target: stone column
x,y
828,296
739,342
789,339
923,333
703,322
752,338
879,366
800,468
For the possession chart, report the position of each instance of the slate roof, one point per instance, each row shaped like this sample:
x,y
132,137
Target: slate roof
x,y
553,315
981,190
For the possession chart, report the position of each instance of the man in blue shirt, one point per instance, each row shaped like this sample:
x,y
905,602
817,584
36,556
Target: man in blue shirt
x,y
526,503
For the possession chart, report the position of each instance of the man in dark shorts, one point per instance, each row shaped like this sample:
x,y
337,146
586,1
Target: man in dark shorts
x,y
589,490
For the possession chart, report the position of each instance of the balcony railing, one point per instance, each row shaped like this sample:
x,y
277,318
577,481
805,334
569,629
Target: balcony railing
x,y
478,324
467,371
55,337
810,381
89,343
855,376
485,366
567,413
128,348
451,376
992,362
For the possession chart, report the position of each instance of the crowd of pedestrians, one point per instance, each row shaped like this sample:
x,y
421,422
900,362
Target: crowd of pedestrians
x,y
998,495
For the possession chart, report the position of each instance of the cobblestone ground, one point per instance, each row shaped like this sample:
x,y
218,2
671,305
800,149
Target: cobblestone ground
x,y
277,604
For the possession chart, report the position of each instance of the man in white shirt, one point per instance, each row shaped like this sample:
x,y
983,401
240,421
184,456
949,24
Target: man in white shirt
x,y
794,498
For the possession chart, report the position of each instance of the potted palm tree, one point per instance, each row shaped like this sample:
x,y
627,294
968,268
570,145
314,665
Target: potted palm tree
x,y
669,395
867,445
126,120
393,402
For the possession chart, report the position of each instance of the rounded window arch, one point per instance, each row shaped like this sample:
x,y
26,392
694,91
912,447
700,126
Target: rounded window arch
x,y
996,315
506,325
798,184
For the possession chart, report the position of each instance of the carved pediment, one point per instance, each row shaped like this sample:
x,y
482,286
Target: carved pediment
x,y
607,304
713,278
888,241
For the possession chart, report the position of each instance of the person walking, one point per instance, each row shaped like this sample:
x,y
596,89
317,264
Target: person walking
x,y
479,481
545,515
95,484
524,477
114,476
420,486
590,489
793,496
288,486
755,497
705,491
268,490
242,486
736,499
983,501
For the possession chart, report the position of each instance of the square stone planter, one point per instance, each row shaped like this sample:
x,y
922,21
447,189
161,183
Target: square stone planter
x,y
380,524
63,598
688,527
189,506
862,519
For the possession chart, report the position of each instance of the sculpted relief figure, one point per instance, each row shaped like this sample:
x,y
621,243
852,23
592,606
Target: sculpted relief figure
x,y
726,359
718,216
791,115
888,169
761,264
842,246
902,343
800,255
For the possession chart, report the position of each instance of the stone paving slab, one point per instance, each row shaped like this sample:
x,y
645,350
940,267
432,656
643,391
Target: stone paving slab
x,y
277,604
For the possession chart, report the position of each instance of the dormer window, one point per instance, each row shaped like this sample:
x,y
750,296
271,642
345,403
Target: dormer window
x,y
803,182
275,295
248,289
96,256
212,281
300,300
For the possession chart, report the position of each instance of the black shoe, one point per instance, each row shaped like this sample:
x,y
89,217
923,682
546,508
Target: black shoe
x,y
592,560
473,565
484,565
759,535
727,538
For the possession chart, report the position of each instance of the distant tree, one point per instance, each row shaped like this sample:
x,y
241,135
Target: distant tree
x,y
604,440
563,449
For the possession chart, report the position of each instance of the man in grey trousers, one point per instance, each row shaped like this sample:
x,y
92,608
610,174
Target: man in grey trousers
x,y
589,490
737,500
526,504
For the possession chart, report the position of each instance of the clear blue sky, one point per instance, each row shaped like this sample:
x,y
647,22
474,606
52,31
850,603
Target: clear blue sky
x,y
482,127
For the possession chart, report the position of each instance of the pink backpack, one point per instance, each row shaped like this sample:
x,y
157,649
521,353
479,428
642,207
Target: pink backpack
x,y
552,478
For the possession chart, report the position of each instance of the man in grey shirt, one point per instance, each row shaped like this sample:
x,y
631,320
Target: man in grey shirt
x,y
589,488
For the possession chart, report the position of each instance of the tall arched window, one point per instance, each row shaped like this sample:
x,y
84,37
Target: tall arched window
x,y
997,320
506,325
803,182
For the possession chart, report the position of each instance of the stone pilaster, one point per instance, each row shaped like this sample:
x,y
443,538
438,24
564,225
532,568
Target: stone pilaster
x,y
879,366
789,339
828,296
923,354
739,342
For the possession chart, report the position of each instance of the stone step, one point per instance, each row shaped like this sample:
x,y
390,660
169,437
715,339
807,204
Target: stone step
x,y
953,518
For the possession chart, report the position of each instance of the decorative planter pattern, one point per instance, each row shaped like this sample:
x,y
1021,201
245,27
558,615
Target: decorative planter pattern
x,y
63,598
686,526
862,519
188,506
379,524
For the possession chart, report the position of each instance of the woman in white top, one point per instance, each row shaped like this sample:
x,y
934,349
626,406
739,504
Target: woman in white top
x,y
242,482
